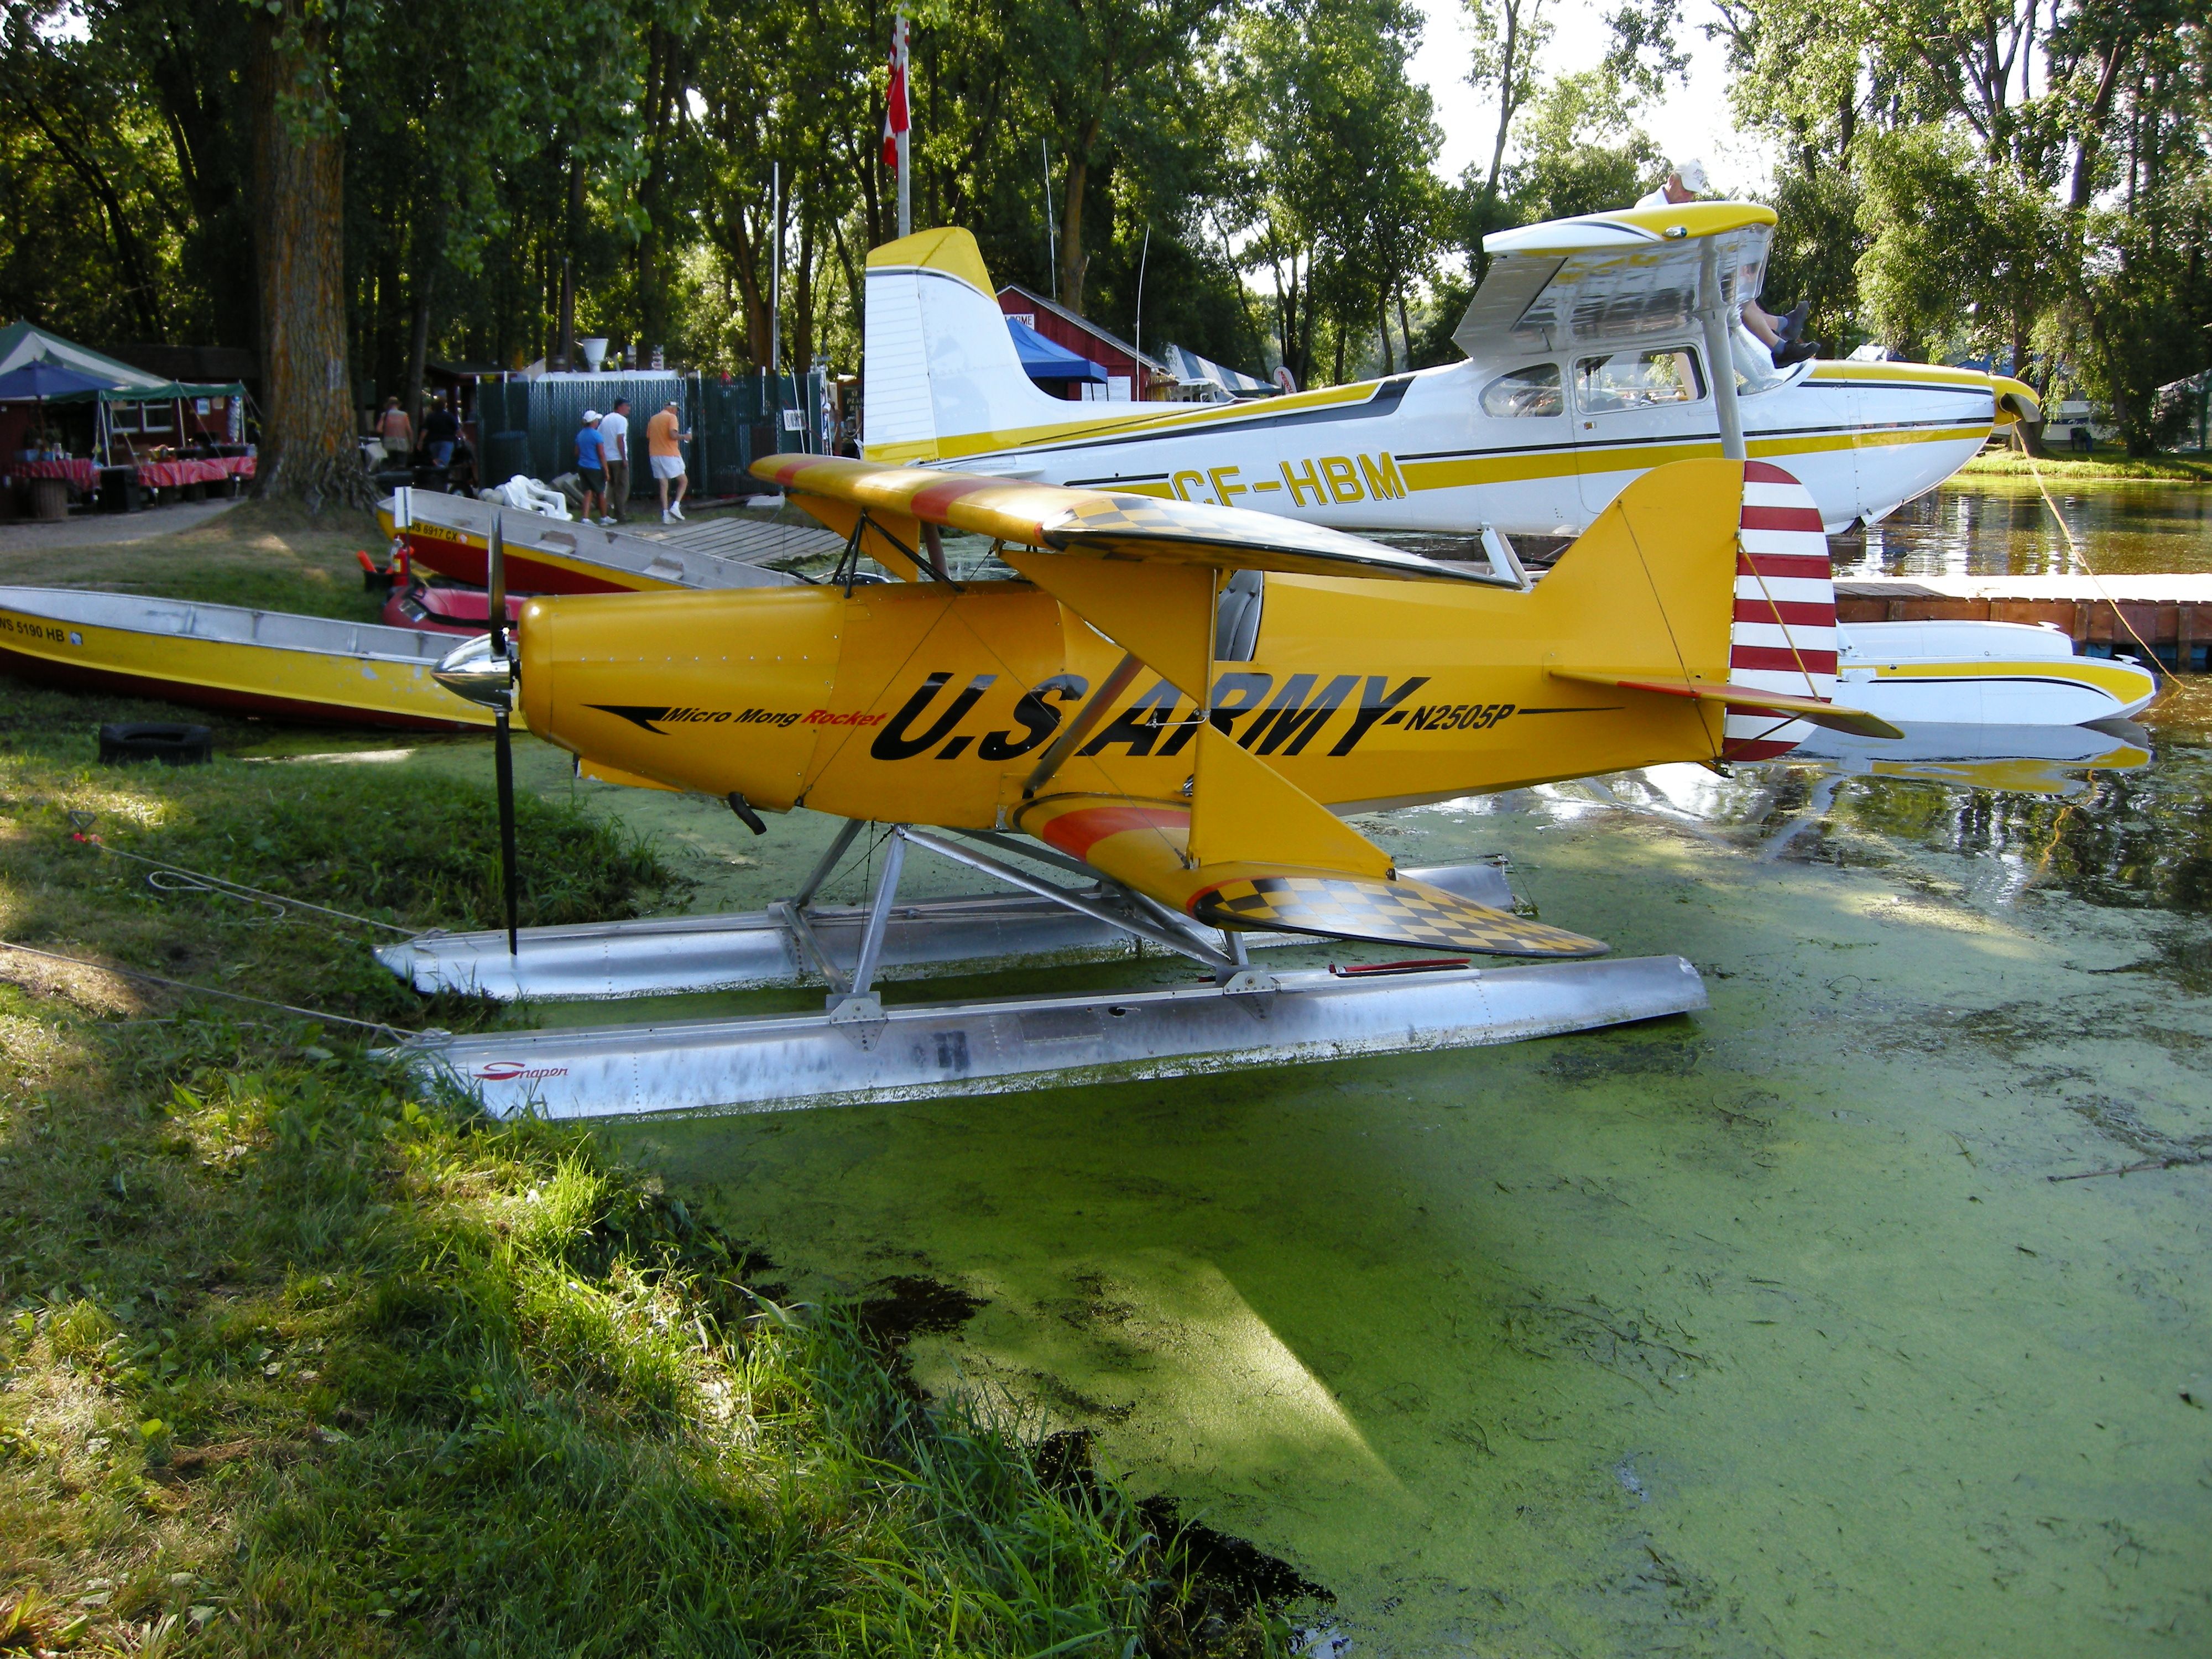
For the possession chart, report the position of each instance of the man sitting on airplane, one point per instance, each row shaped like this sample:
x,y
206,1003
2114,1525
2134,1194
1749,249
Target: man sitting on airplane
x,y
1685,182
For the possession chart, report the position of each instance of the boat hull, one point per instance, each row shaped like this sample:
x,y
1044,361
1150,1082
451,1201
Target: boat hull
x,y
220,657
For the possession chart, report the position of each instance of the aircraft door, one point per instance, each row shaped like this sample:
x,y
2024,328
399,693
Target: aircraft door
x,y
1526,483
1635,407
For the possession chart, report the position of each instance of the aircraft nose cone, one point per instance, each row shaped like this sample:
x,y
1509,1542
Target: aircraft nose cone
x,y
471,670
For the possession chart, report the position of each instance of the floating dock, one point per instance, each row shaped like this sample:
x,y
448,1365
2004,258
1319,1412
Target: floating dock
x,y
2172,614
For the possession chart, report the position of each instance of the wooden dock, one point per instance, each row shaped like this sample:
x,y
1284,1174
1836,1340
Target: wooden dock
x,y
2172,614
749,541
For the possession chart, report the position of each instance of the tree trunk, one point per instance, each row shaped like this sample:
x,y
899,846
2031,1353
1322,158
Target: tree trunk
x,y
418,350
1382,327
1073,262
802,299
299,181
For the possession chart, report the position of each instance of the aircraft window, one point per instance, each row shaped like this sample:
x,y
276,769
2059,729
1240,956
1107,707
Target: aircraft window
x,y
1638,380
1531,390
1236,617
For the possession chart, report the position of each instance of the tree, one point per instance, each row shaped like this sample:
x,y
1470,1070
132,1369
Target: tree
x,y
1110,73
1581,151
298,196
1508,36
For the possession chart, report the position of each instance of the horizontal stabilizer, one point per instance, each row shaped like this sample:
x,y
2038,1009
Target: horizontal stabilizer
x,y
1401,911
1812,710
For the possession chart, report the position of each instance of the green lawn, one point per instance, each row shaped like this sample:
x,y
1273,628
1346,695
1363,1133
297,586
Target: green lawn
x,y
296,1356
2111,464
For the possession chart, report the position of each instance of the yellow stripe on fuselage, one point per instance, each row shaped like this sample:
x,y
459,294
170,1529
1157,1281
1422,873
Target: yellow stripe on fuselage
x,y
1459,473
2121,684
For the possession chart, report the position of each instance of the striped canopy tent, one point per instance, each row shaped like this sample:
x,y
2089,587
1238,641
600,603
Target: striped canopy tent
x,y
24,343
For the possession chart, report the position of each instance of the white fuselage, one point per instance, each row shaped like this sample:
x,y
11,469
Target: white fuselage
x,y
1535,445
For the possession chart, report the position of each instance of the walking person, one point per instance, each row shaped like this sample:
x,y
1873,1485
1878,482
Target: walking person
x,y
591,465
441,432
396,432
614,445
664,448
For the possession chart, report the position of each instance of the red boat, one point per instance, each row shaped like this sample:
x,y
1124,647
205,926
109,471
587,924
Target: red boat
x,y
445,609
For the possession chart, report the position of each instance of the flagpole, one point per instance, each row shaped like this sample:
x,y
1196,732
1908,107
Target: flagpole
x,y
904,136
775,266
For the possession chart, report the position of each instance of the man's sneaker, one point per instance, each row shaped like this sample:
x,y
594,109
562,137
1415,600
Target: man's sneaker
x,y
678,511
665,518
606,520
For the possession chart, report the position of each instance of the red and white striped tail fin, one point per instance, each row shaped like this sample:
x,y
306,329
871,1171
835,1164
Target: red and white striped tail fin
x,y
1784,636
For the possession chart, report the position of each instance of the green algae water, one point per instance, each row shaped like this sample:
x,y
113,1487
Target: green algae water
x,y
1766,1332
1821,1323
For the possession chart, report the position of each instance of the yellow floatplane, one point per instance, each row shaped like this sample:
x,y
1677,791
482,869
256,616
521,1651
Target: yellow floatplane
x,y
1138,710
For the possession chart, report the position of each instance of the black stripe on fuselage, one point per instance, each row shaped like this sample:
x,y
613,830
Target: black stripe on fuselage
x,y
1388,394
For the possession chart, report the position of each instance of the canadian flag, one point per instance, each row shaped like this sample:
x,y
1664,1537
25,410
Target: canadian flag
x,y
895,111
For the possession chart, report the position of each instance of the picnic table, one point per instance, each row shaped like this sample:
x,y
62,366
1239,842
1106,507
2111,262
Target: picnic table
x,y
80,475
194,469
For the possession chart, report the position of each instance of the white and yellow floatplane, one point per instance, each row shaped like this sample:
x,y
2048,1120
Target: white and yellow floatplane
x,y
1591,351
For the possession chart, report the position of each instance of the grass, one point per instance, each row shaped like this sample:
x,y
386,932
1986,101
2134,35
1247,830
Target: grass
x,y
2109,464
297,1356
270,555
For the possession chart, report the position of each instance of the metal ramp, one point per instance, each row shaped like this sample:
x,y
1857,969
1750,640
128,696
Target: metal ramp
x,y
856,1049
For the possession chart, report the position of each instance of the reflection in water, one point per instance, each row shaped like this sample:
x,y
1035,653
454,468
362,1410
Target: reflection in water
x,y
2002,527
2106,814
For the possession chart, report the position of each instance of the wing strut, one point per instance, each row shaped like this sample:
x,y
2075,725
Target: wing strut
x,y
1089,715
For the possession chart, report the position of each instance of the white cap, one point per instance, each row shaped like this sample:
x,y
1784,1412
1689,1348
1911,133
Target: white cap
x,y
590,415
1692,175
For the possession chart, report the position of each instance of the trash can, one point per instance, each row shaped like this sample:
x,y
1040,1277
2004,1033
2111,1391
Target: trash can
x,y
49,498
119,489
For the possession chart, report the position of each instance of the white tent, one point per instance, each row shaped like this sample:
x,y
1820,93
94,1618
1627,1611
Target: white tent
x,y
1199,380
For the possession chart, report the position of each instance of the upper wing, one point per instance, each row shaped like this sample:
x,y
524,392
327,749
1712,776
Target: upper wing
x,y
1097,523
1610,276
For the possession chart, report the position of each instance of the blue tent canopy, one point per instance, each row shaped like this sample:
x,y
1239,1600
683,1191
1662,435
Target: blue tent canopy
x,y
40,379
1047,360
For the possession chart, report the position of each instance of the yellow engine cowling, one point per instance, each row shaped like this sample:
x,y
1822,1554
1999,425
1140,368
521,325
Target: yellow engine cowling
x,y
715,691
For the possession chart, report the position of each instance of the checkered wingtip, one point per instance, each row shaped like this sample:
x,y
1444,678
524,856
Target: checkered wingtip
x,y
1385,912
1108,517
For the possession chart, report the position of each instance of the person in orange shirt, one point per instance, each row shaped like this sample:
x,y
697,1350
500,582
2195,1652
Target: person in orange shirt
x,y
663,447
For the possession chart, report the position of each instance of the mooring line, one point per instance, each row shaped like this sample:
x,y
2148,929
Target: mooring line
x,y
2075,556
221,885
210,991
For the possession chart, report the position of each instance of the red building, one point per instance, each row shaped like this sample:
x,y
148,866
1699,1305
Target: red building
x,y
1130,373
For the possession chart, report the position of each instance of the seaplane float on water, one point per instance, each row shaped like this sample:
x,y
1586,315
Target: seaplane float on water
x,y
1122,711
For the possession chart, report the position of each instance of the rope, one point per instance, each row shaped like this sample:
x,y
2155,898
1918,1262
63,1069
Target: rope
x,y
2074,554
210,991
220,885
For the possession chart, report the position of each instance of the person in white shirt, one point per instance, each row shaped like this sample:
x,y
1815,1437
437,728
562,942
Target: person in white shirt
x,y
1685,182
614,438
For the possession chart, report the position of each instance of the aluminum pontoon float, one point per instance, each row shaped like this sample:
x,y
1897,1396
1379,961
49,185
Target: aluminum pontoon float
x,y
859,1049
